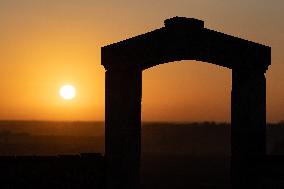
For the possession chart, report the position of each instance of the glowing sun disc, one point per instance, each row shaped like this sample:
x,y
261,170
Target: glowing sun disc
x,y
67,92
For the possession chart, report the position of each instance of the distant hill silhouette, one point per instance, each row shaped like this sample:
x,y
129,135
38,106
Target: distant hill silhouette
x,y
207,138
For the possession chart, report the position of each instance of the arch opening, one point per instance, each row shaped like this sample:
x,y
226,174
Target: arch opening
x,y
185,125
186,91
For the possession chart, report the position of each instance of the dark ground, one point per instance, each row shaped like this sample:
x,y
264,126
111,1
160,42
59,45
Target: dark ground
x,y
174,155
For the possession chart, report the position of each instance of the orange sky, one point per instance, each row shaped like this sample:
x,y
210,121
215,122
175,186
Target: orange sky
x,y
46,43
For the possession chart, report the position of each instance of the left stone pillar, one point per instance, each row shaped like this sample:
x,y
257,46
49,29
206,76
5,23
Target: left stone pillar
x,y
123,128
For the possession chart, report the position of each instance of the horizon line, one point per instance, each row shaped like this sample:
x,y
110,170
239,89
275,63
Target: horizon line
x,y
147,121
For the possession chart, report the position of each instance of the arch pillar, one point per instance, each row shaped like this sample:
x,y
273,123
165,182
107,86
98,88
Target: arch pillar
x,y
248,124
123,127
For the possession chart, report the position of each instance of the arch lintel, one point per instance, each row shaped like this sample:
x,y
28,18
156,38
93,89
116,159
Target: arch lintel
x,y
174,43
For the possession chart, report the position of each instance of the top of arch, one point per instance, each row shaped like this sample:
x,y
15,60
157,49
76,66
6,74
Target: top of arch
x,y
185,39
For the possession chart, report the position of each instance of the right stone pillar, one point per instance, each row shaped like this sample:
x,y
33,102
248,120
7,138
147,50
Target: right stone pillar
x,y
248,124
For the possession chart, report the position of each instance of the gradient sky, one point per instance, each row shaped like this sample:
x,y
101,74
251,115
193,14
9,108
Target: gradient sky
x,y
46,43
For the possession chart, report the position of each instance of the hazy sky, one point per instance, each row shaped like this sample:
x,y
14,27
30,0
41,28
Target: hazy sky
x,y
46,43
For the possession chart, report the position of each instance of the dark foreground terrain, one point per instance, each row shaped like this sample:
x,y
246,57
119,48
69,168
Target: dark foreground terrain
x,y
167,172
58,172
185,172
174,155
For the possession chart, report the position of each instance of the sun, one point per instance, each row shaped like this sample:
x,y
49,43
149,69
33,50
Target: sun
x,y
67,92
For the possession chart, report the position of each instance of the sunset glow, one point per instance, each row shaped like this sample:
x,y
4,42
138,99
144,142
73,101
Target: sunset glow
x,y
46,44
67,92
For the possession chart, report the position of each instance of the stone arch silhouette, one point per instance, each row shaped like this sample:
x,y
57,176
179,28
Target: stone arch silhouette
x,y
180,39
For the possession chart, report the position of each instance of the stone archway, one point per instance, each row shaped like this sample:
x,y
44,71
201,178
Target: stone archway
x,y
180,39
